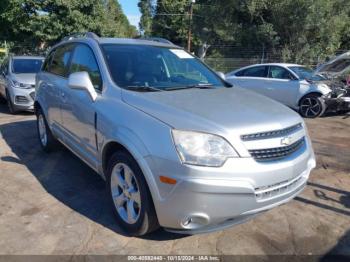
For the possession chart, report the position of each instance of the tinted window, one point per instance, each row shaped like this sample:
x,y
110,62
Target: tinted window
x,y
279,73
26,66
257,71
60,60
84,60
159,67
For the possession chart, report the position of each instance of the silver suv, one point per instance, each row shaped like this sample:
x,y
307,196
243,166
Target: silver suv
x,y
177,146
17,81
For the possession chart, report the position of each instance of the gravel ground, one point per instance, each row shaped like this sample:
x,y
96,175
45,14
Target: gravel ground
x,y
55,204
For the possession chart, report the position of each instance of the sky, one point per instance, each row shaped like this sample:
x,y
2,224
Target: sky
x,y
131,10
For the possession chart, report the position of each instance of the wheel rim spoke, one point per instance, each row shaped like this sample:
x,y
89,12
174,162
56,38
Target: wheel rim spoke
x,y
132,216
125,193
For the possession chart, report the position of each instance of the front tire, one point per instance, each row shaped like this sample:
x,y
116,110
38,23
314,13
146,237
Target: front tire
x,y
47,141
129,195
312,106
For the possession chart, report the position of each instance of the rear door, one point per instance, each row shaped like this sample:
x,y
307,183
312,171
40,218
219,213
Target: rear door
x,y
252,78
54,79
282,85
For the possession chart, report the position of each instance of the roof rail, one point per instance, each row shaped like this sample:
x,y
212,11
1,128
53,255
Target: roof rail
x,y
156,39
81,35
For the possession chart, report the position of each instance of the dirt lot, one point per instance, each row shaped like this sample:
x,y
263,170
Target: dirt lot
x,y
55,204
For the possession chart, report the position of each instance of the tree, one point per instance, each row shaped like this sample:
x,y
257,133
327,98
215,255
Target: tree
x,y
34,22
146,9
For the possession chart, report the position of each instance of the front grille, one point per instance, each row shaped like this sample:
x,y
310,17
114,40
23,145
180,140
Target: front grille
x,y
21,99
32,95
272,134
277,152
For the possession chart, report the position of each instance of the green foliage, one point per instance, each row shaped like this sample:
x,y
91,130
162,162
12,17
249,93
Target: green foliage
x,y
146,9
37,22
299,30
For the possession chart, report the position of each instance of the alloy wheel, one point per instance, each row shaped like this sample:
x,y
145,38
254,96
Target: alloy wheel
x,y
125,193
311,107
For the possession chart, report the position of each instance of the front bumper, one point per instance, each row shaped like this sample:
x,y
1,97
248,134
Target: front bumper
x,y
338,104
22,99
209,199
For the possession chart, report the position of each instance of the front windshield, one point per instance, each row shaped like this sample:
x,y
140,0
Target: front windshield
x,y
157,67
306,73
26,66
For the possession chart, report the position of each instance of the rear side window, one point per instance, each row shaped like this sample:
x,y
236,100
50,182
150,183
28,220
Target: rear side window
x,y
257,71
84,60
60,60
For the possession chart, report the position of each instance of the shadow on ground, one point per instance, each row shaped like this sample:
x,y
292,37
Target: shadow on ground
x,y
65,177
340,252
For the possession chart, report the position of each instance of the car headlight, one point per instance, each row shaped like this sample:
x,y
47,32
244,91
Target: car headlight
x,y
202,149
20,85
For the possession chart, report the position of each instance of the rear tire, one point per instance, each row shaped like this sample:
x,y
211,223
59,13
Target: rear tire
x,y
312,106
47,141
129,195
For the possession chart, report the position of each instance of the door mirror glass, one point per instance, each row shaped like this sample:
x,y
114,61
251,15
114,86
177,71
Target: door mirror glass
x,y
82,81
221,75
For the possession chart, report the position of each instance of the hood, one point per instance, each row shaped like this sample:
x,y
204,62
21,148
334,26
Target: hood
x,y
336,66
219,111
28,79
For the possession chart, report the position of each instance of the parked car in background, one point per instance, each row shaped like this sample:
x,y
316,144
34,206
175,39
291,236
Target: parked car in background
x,y
295,86
17,81
178,146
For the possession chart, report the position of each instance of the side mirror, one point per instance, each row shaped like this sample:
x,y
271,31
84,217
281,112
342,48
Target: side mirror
x,y
221,75
82,81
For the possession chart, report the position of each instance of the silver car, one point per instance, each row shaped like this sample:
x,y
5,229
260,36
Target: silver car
x,y
17,81
178,147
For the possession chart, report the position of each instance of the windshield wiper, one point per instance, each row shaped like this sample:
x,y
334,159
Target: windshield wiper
x,y
200,86
144,88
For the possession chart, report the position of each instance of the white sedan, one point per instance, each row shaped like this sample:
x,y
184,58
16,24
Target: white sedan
x,y
293,85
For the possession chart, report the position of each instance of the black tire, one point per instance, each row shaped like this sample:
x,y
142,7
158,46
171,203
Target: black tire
x,y
312,106
147,219
10,105
51,142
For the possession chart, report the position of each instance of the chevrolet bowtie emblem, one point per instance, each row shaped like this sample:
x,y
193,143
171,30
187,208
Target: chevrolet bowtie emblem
x,y
286,141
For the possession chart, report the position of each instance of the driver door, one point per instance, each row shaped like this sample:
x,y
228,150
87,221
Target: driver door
x,y
78,110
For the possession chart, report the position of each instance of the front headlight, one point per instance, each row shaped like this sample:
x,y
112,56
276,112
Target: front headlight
x,y
20,85
202,149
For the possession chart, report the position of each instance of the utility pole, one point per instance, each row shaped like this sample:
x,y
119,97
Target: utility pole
x,y
190,26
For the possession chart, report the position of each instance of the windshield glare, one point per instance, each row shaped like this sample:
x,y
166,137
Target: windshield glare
x,y
158,67
26,66
306,73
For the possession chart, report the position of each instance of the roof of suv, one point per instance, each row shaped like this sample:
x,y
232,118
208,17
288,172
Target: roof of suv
x,y
126,41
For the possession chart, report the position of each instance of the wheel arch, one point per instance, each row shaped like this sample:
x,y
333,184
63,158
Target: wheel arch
x,y
311,93
112,146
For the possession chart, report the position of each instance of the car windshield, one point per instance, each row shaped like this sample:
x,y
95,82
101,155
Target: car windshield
x,y
306,73
151,68
26,66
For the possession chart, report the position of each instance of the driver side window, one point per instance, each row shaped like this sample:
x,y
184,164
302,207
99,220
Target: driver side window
x,y
84,60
